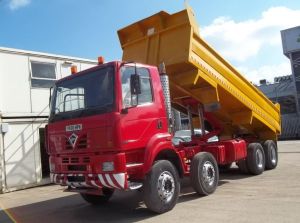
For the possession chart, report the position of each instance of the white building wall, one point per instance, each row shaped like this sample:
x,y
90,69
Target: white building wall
x,y
15,81
20,148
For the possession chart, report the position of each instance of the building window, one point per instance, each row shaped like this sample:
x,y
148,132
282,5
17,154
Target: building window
x,y
43,75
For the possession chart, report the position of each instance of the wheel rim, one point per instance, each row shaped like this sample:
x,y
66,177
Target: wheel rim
x,y
208,173
273,155
259,158
166,186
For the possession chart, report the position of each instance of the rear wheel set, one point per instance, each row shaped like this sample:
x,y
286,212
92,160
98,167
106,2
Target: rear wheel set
x,y
259,157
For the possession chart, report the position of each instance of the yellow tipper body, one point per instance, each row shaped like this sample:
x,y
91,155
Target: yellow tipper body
x,y
197,71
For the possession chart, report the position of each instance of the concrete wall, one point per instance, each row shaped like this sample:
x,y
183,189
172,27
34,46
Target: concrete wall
x,y
20,157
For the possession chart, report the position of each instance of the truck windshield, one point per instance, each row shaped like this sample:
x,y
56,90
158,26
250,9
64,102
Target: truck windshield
x,y
85,95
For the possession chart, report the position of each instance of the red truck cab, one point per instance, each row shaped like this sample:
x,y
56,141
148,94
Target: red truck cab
x,y
99,134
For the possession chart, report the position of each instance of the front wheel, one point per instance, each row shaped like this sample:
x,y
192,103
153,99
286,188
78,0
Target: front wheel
x,y
98,199
204,173
161,187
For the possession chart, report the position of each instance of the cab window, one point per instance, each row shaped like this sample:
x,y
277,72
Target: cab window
x,y
145,82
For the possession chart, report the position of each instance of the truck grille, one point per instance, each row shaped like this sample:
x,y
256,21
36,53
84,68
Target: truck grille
x,y
86,159
75,160
65,160
82,143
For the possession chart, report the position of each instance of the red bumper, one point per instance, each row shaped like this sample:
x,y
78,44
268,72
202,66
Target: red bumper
x,y
86,171
111,180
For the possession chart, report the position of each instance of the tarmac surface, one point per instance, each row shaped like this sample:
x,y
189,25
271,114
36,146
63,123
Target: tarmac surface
x,y
273,196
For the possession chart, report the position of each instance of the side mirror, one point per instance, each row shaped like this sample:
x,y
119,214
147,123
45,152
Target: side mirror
x,y
135,85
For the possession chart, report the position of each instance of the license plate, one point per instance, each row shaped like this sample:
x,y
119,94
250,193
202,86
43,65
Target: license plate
x,y
71,128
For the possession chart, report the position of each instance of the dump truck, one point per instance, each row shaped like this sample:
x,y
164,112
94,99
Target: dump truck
x,y
111,126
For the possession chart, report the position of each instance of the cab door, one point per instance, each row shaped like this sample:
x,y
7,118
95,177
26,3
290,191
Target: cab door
x,y
140,115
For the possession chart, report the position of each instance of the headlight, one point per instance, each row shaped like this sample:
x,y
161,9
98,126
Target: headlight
x,y
108,166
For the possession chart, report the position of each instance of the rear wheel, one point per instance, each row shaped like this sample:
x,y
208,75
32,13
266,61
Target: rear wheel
x,y
98,199
255,158
271,154
204,173
161,187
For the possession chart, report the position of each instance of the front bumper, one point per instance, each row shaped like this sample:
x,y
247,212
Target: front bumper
x,y
86,171
97,181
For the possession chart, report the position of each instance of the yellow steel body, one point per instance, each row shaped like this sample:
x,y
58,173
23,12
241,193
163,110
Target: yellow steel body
x,y
196,70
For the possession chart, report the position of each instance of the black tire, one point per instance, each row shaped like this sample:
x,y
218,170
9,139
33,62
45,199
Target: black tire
x,y
242,164
204,162
98,199
271,154
255,158
161,187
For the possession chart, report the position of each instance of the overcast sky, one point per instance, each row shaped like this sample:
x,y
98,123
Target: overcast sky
x,y
246,33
